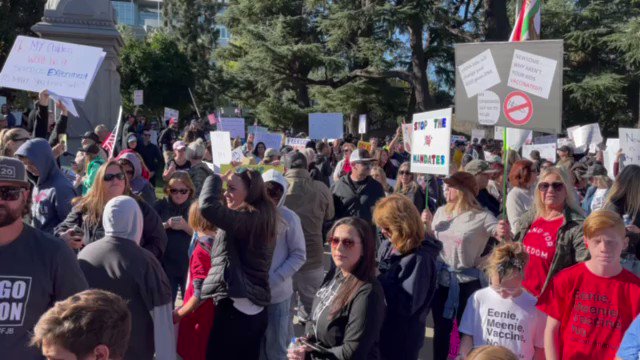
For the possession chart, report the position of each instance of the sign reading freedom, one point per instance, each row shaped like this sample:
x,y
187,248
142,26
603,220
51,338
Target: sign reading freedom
x,y
63,68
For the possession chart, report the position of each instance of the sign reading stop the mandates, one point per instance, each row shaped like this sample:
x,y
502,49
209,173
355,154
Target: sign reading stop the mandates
x,y
518,108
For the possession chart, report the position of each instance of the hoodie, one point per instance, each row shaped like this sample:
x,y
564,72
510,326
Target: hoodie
x,y
52,192
290,252
118,264
139,185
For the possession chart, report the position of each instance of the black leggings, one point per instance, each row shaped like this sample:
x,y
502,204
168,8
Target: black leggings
x,y
442,327
235,335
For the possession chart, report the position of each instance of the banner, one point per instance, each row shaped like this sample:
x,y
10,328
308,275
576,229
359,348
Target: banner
x,y
220,147
477,134
270,140
431,142
171,113
235,126
362,124
547,151
326,126
630,145
36,64
407,130
297,143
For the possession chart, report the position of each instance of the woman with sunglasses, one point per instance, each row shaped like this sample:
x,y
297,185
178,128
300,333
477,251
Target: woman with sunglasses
x,y
407,264
174,212
343,166
83,225
349,308
238,280
551,231
12,139
406,185
464,228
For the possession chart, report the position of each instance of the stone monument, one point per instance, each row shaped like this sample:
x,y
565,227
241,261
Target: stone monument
x,y
89,23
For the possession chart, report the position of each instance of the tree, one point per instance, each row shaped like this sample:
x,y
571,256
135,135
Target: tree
x,y
157,66
17,18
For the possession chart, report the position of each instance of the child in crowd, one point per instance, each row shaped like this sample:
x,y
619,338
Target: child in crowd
x,y
504,314
590,305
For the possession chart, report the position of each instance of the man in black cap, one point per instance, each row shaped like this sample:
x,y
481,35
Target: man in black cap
x,y
91,138
36,269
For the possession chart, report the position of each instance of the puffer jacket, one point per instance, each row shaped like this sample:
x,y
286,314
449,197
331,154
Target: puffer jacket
x,y
356,199
239,263
570,247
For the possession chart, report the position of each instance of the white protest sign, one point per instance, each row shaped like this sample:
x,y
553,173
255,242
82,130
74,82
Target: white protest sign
x,y
547,151
498,131
36,64
270,140
138,97
585,135
171,113
431,142
326,126
237,155
479,73
154,137
254,129
67,102
220,147
610,154
477,134
532,73
489,107
235,126
630,145
407,131
297,143
518,137
362,124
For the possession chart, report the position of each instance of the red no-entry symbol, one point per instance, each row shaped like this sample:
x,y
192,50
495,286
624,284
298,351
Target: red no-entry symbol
x,y
518,108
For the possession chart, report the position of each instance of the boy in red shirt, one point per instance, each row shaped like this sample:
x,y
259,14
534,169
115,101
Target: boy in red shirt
x,y
590,305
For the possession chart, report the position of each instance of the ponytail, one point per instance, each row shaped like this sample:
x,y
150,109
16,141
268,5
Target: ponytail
x,y
506,261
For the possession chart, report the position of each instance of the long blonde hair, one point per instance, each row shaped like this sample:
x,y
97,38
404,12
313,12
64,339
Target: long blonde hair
x,y
383,177
94,202
626,189
466,201
572,198
413,186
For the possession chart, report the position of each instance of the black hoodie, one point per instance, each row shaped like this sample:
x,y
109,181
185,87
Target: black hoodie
x,y
409,283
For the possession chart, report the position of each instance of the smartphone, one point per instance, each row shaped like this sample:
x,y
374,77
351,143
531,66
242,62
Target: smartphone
x,y
175,218
313,346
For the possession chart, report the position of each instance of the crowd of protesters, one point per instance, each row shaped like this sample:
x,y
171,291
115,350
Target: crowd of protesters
x,y
97,264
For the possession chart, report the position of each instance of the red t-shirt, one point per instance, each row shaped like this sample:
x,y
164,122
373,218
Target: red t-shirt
x,y
540,244
594,312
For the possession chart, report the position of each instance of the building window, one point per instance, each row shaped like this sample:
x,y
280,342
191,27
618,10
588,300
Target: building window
x,y
125,12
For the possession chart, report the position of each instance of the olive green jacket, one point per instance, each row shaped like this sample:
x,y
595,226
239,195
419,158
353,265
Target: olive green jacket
x,y
570,246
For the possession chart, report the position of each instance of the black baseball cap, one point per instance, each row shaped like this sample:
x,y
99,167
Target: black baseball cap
x,y
91,135
90,149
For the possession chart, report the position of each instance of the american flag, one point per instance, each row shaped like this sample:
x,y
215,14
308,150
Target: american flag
x,y
108,143
212,119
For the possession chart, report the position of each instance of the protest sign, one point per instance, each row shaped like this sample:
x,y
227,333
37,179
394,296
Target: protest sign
x,y
365,145
407,130
220,147
254,129
431,142
297,143
259,168
518,137
326,125
630,145
235,126
584,136
36,64
171,113
547,139
547,151
498,132
512,84
270,140
237,155
477,134
138,97
613,145
362,124
67,102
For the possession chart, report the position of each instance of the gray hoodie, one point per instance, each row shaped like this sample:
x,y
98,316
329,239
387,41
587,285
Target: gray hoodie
x,y
51,196
122,218
290,252
139,185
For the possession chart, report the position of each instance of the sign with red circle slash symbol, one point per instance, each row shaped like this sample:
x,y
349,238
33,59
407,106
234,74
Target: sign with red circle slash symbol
x,y
518,108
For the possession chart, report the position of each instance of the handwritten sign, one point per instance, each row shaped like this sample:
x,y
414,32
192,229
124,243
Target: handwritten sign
x,y
431,142
270,140
235,126
479,73
220,147
547,151
237,155
297,143
630,145
171,113
407,131
36,64
489,107
532,73
326,126
138,97
584,136
362,124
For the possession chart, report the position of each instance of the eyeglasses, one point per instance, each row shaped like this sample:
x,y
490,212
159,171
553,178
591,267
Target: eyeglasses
x,y
347,243
110,177
20,139
366,165
346,149
404,172
544,186
179,191
10,193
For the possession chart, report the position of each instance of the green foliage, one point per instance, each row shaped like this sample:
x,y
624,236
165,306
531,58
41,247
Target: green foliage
x,y
17,18
157,66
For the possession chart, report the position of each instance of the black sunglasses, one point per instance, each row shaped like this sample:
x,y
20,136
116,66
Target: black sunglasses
x,y
544,186
179,191
110,177
10,193
404,172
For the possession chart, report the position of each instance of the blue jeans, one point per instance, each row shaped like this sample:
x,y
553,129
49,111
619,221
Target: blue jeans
x,y
279,331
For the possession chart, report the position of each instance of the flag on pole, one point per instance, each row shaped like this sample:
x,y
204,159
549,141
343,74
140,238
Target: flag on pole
x,y
212,119
108,143
527,26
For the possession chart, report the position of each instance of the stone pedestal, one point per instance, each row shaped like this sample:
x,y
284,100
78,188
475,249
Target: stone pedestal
x,y
89,23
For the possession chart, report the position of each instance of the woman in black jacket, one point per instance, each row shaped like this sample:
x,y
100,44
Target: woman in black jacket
x,y
83,225
174,212
349,308
406,185
238,281
407,264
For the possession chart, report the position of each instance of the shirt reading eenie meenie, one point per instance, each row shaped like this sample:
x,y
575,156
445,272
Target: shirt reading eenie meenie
x,y
594,311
